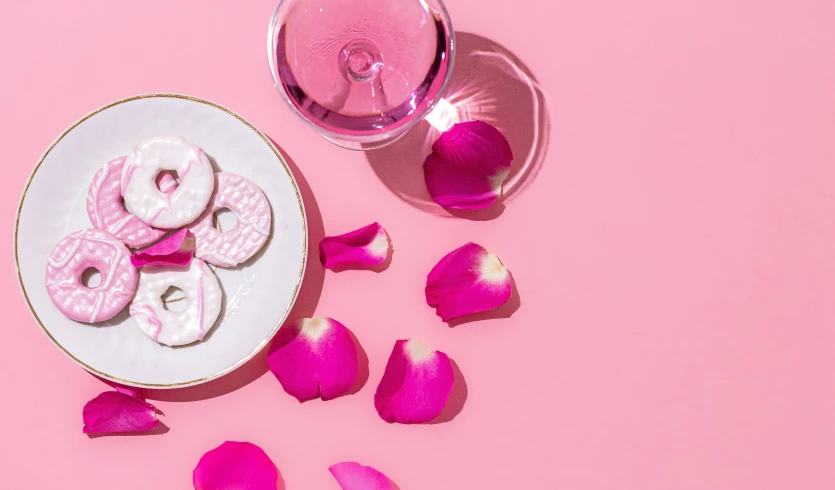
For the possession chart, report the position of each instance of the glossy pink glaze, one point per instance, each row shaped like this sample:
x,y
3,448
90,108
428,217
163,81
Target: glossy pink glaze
x,y
78,252
245,239
106,212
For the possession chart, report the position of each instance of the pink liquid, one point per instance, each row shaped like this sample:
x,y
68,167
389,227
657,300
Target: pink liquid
x,y
362,67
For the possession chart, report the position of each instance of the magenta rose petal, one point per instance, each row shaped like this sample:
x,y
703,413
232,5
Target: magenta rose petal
x,y
467,166
354,476
235,465
467,280
115,411
314,357
416,384
367,246
177,249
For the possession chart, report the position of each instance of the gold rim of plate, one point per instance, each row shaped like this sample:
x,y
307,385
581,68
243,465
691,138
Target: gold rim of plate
x,y
298,279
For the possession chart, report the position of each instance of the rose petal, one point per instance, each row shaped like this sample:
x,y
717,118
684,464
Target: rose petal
x,y
166,182
416,384
467,280
364,247
177,249
354,476
238,465
467,166
314,357
113,411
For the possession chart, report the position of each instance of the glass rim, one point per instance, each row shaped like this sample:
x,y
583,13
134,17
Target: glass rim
x,y
371,139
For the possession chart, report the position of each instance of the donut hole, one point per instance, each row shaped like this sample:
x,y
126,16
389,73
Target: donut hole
x,y
224,219
164,180
174,300
91,277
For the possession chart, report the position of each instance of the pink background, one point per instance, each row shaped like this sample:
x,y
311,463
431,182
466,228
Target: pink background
x,y
674,256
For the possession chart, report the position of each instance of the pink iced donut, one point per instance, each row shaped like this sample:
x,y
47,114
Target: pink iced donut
x,y
104,206
252,210
78,252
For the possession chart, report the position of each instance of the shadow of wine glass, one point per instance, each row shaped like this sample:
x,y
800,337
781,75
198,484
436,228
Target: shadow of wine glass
x,y
489,83
305,306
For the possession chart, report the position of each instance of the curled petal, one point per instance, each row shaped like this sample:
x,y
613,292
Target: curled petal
x,y
364,247
177,249
467,280
416,384
314,357
467,166
235,465
115,411
354,476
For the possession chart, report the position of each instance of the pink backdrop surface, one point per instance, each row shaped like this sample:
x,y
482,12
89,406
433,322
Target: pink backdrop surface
x,y
674,256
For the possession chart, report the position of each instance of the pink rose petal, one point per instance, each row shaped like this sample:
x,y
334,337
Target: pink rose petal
x,y
416,384
467,166
364,247
235,465
314,357
467,280
354,476
114,411
177,249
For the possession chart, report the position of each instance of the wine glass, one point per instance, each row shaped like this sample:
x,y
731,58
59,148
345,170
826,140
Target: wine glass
x,y
361,72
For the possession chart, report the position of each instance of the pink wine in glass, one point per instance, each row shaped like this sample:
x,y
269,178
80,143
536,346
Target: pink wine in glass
x,y
362,72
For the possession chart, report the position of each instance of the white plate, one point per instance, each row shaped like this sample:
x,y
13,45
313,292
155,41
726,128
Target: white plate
x,y
257,295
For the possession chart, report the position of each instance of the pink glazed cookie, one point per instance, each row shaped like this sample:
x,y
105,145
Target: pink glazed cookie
x,y
252,210
202,291
142,194
104,206
78,252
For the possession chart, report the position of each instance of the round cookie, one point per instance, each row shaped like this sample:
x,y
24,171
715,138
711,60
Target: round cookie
x,y
144,198
78,252
202,291
104,206
254,218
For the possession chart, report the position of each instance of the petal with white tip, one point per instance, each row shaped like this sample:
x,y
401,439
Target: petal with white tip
x,y
416,384
367,246
467,166
467,280
314,357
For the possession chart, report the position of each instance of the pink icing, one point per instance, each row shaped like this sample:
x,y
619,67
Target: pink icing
x,y
200,306
252,210
128,176
190,164
78,252
104,207
166,182
152,317
155,215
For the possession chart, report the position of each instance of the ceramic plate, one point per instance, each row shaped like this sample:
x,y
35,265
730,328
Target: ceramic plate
x,y
257,295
